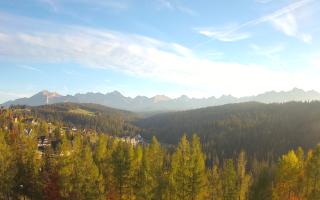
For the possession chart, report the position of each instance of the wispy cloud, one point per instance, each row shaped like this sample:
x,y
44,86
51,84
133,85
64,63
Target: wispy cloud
x,y
269,51
144,57
226,34
118,4
14,94
289,26
176,5
52,3
264,1
61,5
30,68
283,19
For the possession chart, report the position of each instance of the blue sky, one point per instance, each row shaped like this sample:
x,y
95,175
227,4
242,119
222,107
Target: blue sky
x,y
146,47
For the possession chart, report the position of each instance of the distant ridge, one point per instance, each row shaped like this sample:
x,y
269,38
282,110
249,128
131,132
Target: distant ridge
x,y
161,102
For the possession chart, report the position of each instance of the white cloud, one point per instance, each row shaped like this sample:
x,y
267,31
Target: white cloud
x,y
62,5
269,51
286,24
226,35
53,4
264,1
13,94
289,26
30,68
176,5
283,19
147,58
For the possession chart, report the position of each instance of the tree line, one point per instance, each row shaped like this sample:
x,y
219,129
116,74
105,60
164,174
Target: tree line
x,y
264,131
100,167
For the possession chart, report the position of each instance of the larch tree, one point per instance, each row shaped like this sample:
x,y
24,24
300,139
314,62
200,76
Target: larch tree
x,y
214,184
91,180
7,168
244,179
286,184
122,159
180,172
230,189
313,175
155,158
198,177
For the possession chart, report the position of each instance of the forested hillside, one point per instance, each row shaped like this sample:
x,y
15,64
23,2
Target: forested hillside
x,y
88,116
41,160
259,129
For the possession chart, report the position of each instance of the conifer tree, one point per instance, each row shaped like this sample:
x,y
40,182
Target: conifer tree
x,y
215,185
198,170
180,173
50,176
243,178
122,159
144,179
7,169
66,162
313,175
102,158
91,180
155,158
229,181
286,183
27,179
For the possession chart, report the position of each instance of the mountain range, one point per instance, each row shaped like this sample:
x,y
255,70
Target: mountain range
x,y
161,103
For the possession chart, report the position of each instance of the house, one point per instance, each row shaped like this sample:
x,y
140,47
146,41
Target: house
x,y
133,140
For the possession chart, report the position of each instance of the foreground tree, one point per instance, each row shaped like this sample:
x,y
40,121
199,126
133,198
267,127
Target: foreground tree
x,y
198,170
244,179
122,162
313,175
287,178
180,172
215,185
28,182
7,169
230,189
188,175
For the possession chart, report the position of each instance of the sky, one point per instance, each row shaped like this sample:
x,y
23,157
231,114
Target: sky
x,y
198,48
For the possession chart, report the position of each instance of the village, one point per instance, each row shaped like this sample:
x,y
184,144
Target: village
x,y
49,134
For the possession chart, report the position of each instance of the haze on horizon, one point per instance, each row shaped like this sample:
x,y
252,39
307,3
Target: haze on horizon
x,y
171,47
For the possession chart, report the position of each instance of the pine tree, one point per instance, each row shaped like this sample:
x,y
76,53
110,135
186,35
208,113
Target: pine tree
x,y
287,177
151,180
144,179
229,181
155,158
215,185
7,169
243,178
122,159
180,173
262,173
50,176
66,162
28,181
313,175
91,180
198,170
102,158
